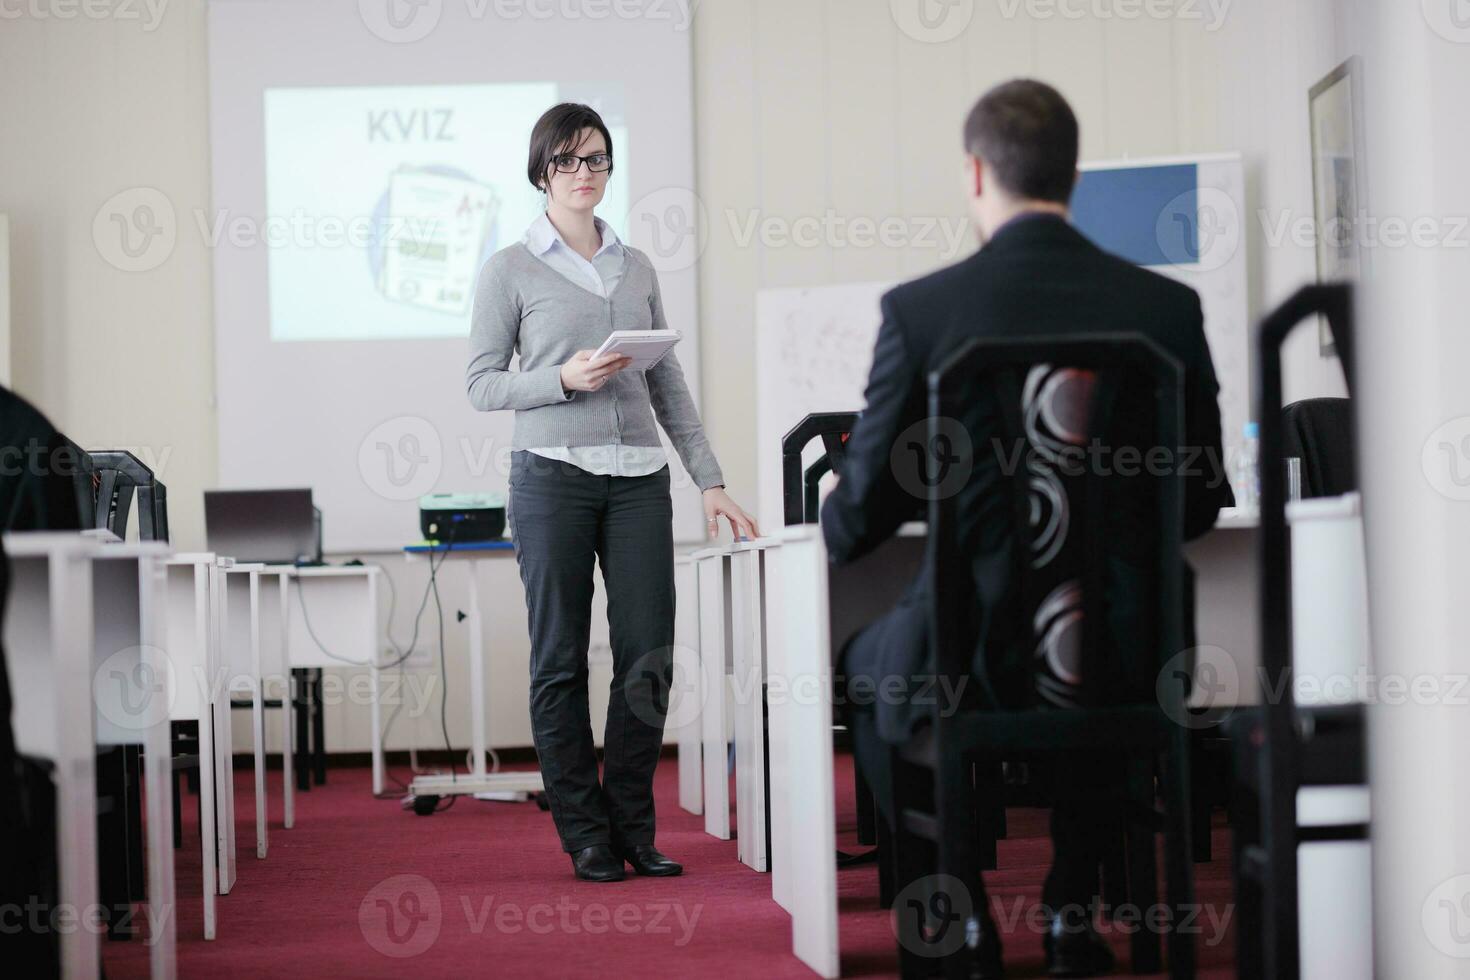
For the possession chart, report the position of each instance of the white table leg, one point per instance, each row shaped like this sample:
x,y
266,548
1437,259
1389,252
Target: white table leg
x,y
477,673
809,745
257,718
782,886
158,779
288,784
70,583
750,813
375,709
219,694
209,843
758,797
713,644
687,680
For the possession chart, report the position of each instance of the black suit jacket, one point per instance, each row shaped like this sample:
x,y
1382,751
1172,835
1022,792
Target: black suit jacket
x,y
1037,276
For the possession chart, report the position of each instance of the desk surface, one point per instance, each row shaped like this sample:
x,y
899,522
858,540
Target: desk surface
x,y
31,544
440,548
323,571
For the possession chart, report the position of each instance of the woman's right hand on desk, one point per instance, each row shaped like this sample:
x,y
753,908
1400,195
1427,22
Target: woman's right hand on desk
x,y
586,373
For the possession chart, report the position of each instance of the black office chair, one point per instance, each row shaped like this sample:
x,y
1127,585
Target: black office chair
x,y
118,476
800,490
107,481
1061,553
1319,432
801,505
1282,747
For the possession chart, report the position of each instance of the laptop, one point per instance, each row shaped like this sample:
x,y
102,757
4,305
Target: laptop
x,y
278,527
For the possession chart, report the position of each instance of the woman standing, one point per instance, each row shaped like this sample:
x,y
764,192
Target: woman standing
x,y
589,482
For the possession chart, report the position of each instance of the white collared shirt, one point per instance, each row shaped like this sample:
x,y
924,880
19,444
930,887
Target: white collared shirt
x,y
599,276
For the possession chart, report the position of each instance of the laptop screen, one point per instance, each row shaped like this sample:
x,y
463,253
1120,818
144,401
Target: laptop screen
x,y
272,526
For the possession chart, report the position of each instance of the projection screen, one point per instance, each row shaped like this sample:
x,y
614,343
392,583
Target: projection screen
x,y
368,156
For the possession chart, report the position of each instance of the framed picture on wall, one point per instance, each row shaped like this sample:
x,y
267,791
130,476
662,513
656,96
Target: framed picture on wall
x,y
1337,180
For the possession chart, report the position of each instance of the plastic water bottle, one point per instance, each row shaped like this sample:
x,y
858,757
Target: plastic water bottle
x,y
1247,483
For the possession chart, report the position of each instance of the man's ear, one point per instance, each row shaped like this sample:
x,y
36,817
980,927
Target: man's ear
x,y
974,174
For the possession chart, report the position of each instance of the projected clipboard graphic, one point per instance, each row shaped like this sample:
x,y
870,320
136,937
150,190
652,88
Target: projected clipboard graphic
x,y
440,227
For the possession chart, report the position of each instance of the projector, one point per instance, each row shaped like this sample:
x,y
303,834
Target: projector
x,y
462,517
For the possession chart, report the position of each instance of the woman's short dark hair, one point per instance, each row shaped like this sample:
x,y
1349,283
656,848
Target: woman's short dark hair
x,y
1026,133
558,131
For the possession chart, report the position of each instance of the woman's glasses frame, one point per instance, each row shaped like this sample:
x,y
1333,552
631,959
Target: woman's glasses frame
x,y
561,159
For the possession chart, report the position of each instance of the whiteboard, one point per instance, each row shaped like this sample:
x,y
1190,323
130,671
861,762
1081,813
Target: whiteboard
x,y
1179,216
813,349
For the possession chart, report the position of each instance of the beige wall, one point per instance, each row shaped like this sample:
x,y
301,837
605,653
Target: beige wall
x,y
92,108
4,299
807,106
802,107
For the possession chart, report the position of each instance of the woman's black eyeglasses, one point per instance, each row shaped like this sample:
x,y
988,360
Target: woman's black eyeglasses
x,y
570,163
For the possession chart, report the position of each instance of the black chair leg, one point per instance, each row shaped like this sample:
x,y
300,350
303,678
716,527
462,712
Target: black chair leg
x,y
178,787
959,860
885,864
318,730
302,704
1179,853
1245,835
112,842
1114,865
137,870
1206,778
912,859
867,831
991,809
1143,868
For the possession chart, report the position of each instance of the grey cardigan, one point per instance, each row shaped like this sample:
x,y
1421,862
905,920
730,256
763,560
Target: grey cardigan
x,y
524,306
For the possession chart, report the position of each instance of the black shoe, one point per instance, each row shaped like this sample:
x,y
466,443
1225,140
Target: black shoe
x,y
1075,950
646,860
597,863
982,962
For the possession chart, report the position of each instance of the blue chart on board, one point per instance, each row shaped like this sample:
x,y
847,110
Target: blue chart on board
x,y
1147,215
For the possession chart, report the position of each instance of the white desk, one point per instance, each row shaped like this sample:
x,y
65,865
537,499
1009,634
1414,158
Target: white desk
x,y
712,570
803,814
1227,611
685,698
191,639
340,605
255,598
48,644
1330,654
81,635
131,690
478,780
811,610
748,560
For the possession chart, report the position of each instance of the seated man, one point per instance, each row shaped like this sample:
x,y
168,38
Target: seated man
x,y
1034,276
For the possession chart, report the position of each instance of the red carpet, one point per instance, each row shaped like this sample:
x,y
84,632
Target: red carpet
x,y
483,889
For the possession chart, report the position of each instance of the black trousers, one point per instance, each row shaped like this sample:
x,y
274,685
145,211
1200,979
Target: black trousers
x,y
563,519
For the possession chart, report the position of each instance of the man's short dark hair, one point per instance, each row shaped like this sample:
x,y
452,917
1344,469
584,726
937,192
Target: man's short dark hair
x,y
1027,135
557,131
